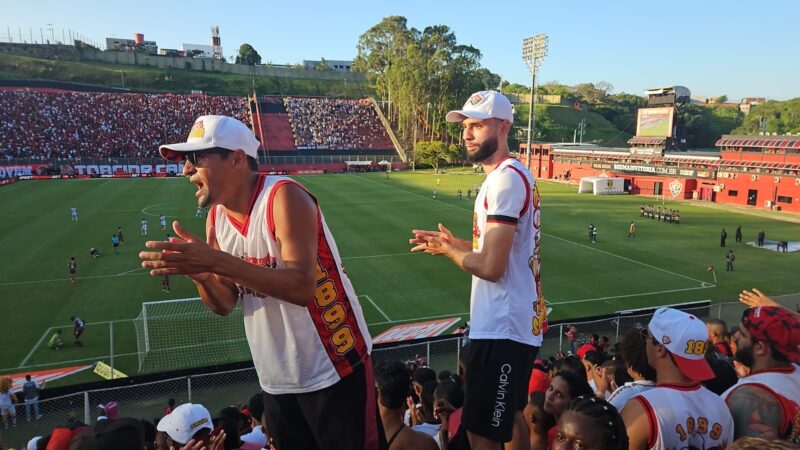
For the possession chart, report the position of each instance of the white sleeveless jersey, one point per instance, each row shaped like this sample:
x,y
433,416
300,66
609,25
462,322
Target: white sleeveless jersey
x,y
684,417
513,307
295,349
784,384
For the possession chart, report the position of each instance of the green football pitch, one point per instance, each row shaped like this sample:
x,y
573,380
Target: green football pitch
x,y
371,217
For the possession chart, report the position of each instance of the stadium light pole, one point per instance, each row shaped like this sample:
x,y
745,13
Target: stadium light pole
x,y
534,49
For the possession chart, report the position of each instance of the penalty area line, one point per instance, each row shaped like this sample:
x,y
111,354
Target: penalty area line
x,y
38,343
704,286
623,258
377,307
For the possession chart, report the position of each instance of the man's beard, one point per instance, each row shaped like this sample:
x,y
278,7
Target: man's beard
x,y
745,356
485,150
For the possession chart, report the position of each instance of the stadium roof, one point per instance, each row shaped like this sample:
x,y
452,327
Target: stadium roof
x,y
642,140
759,141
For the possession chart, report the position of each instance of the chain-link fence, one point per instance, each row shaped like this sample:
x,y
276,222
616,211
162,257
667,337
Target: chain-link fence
x,y
234,387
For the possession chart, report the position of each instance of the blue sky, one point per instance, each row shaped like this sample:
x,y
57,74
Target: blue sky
x,y
736,48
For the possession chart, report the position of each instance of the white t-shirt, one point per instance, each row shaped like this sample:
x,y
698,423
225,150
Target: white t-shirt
x,y
620,397
513,307
295,349
256,437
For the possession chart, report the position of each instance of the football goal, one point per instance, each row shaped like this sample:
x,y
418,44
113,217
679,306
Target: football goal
x,y
181,333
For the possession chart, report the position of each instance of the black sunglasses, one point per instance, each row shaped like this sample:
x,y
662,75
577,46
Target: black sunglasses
x,y
194,157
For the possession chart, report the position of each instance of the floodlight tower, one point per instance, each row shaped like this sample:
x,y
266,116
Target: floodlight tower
x,y
534,49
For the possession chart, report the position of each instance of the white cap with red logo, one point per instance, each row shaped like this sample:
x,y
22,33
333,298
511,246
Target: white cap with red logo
x,y
214,132
484,105
685,336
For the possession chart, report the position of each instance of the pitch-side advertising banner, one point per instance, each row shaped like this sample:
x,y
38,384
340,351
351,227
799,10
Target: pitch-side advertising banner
x,y
409,331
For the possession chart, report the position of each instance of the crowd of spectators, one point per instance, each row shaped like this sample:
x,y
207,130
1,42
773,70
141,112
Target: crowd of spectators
x,y
737,389
337,124
67,125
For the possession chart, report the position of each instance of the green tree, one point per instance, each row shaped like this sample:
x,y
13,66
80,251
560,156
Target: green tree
x,y
514,88
704,124
323,66
421,74
590,93
780,117
436,153
248,55
721,99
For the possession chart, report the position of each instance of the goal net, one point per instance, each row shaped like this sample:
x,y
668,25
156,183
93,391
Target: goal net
x,y
174,334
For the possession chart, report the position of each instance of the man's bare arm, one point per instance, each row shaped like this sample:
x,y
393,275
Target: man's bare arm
x,y
295,217
489,264
638,427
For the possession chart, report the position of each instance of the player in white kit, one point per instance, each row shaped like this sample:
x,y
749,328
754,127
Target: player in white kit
x,y
268,246
144,224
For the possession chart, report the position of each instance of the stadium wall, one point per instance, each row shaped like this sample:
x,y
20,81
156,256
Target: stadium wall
x,y
72,53
762,190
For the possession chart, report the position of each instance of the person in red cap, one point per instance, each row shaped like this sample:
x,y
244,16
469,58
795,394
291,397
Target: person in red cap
x,y
765,403
679,412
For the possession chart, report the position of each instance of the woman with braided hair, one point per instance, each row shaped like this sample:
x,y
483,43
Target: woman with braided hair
x,y
590,423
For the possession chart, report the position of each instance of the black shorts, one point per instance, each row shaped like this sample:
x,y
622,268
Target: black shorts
x,y
497,376
343,416
78,332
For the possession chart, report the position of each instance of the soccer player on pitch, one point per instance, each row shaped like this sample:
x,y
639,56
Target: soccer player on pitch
x,y
507,312
268,246
78,326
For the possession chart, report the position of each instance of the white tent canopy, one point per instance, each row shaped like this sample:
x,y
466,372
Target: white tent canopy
x,y
602,185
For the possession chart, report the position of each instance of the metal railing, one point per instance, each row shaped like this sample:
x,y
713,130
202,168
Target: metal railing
x,y
234,387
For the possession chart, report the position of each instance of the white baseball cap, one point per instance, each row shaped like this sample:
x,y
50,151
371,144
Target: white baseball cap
x,y
185,421
484,105
685,336
214,132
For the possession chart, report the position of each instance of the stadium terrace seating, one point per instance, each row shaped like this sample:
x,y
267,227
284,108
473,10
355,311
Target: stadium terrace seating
x,y
336,124
276,126
45,125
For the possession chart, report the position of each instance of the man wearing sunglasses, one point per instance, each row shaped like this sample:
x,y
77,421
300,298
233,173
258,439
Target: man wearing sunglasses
x,y
267,244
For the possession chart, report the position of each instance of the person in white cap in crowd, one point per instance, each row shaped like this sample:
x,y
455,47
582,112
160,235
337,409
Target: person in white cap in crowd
x,y
678,412
766,403
268,244
188,422
507,310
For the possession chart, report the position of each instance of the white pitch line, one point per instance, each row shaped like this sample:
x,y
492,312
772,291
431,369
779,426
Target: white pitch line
x,y
377,307
629,295
550,235
129,271
38,343
379,256
13,283
415,194
626,259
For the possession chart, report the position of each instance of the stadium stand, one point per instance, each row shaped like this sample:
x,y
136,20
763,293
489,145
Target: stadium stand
x,y
277,129
395,369
46,125
338,124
